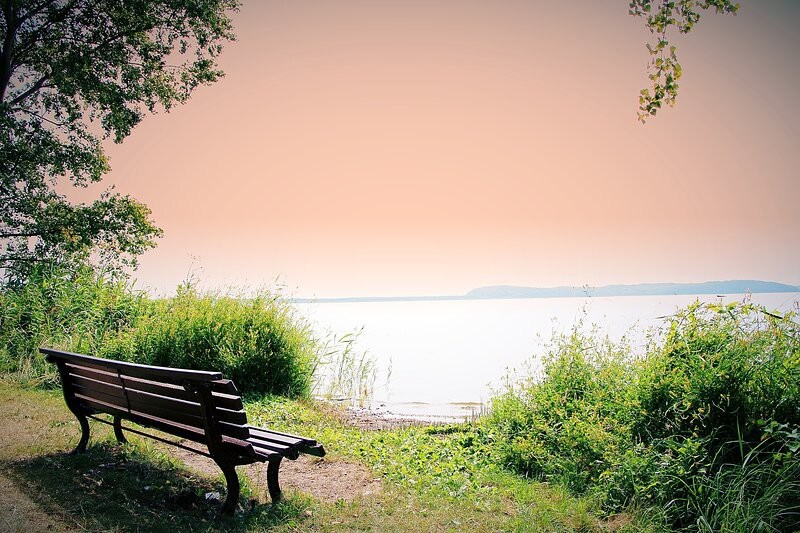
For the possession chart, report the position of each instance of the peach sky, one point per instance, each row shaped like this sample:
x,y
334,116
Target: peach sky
x,y
432,146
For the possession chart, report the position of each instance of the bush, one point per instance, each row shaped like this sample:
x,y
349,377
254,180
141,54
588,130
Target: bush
x,y
569,424
722,371
704,427
259,343
708,397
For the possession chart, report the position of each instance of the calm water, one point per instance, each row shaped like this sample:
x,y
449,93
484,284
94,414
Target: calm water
x,y
444,358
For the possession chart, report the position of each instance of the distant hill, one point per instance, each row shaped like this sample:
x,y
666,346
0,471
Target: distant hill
x,y
505,292
642,289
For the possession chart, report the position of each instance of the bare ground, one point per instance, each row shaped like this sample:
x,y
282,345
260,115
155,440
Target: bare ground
x,y
18,513
324,479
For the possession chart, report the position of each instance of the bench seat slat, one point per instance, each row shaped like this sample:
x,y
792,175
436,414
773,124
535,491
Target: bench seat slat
x,y
233,417
234,430
304,445
278,439
281,437
286,451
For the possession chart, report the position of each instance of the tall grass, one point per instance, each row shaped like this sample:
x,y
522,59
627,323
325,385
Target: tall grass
x,y
78,310
344,372
259,342
703,428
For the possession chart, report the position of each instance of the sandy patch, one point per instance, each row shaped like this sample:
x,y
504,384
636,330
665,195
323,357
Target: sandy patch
x,y
322,478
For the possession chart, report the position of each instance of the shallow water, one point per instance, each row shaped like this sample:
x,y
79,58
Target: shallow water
x,y
443,359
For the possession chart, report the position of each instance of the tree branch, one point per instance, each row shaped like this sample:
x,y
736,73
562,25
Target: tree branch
x,y
20,234
8,46
34,88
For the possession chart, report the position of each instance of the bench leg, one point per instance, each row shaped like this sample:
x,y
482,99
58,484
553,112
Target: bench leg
x,y
118,430
232,480
272,480
84,422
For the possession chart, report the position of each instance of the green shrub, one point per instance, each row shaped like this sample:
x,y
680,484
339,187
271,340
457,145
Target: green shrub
x,y
258,342
708,397
722,371
703,428
569,424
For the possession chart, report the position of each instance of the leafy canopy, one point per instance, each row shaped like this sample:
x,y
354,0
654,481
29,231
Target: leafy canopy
x,y
72,73
664,71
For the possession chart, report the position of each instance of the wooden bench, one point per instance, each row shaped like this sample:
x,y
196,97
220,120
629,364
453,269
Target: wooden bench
x,y
194,405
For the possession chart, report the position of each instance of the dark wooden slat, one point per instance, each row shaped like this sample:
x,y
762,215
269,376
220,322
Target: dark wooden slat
x,y
167,426
279,439
282,449
164,402
234,430
228,401
174,375
118,402
93,373
91,384
224,386
166,408
101,405
233,417
269,434
160,388
245,451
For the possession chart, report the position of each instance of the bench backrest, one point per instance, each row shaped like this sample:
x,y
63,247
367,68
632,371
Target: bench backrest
x,y
169,399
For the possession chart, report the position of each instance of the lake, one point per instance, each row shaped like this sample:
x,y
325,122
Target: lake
x,y
443,359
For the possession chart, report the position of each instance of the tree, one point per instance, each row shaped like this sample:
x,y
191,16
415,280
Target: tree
x,y
664,70
75,72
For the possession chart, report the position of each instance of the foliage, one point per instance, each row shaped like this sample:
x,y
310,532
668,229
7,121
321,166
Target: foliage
x,y
77,309
703,429
71,72
257,342
664,71
569,424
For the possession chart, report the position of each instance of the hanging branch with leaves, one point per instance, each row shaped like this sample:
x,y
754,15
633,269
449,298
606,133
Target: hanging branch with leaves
x,y
664,71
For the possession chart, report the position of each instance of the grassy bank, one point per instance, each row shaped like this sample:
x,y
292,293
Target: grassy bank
x,y
432,479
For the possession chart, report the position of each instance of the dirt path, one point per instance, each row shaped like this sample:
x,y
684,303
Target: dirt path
x,y
26,430
18,513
